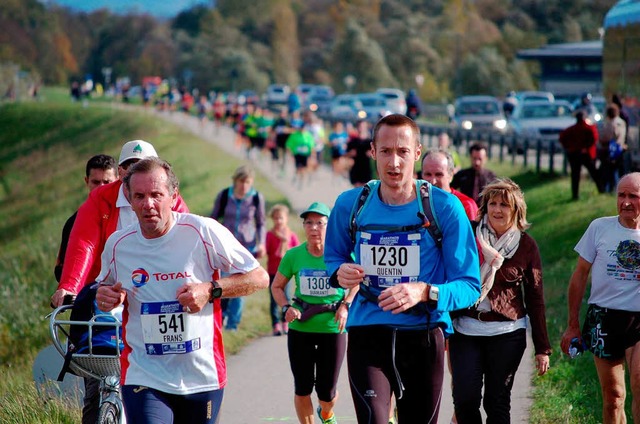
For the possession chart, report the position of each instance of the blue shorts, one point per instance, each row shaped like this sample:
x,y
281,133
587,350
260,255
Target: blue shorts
x,y
144,405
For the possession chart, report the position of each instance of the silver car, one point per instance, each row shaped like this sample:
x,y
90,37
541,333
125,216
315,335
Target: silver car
x,y
540,119
479,113
346,107
395,99
375,106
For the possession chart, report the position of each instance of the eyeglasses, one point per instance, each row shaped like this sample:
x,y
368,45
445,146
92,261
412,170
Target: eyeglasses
x,y
311,224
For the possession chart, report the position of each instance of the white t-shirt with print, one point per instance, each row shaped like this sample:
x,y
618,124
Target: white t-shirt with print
x,y
614,252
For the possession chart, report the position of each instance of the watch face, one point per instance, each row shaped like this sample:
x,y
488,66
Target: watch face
x,y
216,292
433,294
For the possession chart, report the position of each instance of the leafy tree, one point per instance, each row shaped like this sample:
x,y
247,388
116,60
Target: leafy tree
x,y
284,45
358,55
485,73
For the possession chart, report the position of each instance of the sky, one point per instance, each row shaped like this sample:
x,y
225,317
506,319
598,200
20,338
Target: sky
x,y
159,8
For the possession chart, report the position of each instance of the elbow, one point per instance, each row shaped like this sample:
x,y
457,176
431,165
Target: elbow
x,y
263,279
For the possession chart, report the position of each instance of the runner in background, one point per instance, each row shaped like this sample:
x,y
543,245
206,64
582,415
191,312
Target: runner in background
x,y
280,238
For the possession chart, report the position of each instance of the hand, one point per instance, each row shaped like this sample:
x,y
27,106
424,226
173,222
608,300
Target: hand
x,y
401,297
341,317
569,334
292,314
58,297
261,250
108,297
542,363
193,296
350,275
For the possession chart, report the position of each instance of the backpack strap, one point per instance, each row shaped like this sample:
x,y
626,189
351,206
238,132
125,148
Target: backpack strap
x,y
430,220
224,199
358,206
426,212
67,362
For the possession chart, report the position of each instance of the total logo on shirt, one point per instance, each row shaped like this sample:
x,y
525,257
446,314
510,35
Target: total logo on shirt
x,y
140,276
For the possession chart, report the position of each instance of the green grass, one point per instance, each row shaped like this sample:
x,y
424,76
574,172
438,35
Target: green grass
x,y
43,149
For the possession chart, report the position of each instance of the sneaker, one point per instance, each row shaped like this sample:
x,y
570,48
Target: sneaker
x,y
285,328
331,420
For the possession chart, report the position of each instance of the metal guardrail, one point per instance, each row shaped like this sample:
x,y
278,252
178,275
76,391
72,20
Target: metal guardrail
x,y
543,155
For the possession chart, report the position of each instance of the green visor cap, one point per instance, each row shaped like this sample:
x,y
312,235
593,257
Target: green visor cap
x,y
317,207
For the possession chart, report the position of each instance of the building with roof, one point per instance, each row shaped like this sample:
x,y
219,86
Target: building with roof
x,y
569,68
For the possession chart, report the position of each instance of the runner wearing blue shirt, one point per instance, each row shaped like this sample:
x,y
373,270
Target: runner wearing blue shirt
x,y
408,284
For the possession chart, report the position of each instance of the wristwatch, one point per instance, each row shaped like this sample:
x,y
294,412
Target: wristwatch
x,y
285,308
434,293
216,291
347,304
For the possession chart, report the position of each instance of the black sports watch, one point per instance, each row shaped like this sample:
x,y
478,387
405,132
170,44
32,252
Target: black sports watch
x,y
216,291
285,308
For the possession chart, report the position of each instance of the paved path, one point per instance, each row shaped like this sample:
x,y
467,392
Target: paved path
x,y
260,387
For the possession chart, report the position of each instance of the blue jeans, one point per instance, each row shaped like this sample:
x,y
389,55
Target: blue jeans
x,y
232,311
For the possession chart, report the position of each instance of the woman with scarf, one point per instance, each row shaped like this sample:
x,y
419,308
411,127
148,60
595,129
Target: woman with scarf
x,y
490,337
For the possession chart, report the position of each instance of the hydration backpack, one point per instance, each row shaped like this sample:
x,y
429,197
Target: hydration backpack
x,y
430,222
224,199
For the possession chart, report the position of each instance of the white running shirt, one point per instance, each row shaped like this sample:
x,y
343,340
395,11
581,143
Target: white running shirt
x,y
166,348
614,252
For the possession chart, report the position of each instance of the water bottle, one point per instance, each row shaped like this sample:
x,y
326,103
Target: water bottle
x,y
575,348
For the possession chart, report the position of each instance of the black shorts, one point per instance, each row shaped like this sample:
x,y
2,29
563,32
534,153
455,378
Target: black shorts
x,y
257,142
281,140
301,161
607,333
316,359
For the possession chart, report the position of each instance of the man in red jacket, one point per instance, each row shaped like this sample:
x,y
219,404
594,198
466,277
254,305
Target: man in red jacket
x,y
105,211
579,142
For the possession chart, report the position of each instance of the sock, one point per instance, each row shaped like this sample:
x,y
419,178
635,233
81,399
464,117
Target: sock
x,y
324,415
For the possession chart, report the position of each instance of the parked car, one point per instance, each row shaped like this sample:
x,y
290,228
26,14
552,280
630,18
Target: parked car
x,y
395,99
374,105
479,113
277,94
303,91
540,119
595,112
248,97
532,96
319,99
346,107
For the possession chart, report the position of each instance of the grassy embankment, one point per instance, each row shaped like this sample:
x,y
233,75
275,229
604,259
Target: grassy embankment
x,y
43,149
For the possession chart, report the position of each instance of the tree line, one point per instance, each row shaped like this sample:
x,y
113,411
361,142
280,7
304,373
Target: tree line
x,y
442,48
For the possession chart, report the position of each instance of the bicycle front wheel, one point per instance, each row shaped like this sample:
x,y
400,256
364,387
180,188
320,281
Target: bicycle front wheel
x,y
109,413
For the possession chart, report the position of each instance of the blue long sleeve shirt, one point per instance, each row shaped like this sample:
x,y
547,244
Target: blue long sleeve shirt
x,y
454,268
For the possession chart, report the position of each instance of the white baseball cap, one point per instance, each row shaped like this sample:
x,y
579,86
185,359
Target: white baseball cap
x,y
136,149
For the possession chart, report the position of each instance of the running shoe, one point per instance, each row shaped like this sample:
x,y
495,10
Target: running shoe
x,y
331,420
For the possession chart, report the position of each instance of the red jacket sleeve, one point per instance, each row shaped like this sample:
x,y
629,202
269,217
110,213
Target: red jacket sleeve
x,y
180,206
84,242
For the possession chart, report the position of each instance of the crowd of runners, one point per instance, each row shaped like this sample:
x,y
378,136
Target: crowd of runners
x,y
377,266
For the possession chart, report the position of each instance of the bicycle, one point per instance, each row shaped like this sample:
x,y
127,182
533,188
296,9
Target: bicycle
x,y
103,367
